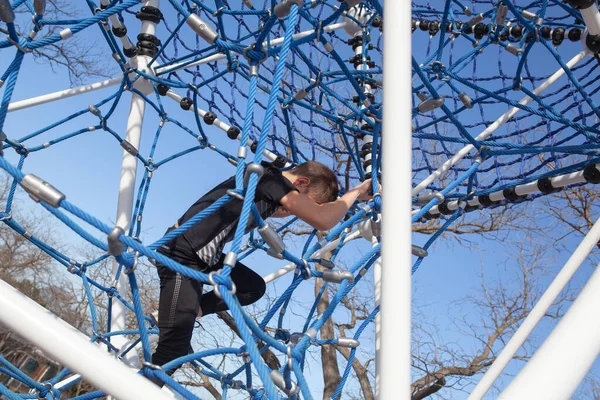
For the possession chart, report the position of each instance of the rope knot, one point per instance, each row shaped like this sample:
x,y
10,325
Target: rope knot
x,y
128,261
22,150
217,280
439,70
48,389
233,65
251,53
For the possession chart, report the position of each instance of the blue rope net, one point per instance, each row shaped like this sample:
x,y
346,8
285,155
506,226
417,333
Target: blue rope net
x,y
276,77
513,81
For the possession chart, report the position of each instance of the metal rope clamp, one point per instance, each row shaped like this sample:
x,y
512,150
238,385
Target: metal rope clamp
x,y
150,166
135,263
287,103
290,358
3,136
216,13
233,65
235,194
245,356
254,67
39,189
216,289
72,266
203,142
279,381
36,26
440,196
375,197
463,201
115,246
50,389
283,9
272,238
202,29
307,269
438,69
480,154
151,366
111,291
98,10
233,384
253,168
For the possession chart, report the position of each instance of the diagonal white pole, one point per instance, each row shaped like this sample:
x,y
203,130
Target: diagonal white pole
x,y
63,94
222,126
72,348
561,363
497,124
393,365
292,267
537,312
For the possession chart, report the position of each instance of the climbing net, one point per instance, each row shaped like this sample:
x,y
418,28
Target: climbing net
x,y
290,80
503,104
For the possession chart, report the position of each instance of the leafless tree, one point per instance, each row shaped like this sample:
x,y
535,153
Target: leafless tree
x,y
501,305
82,59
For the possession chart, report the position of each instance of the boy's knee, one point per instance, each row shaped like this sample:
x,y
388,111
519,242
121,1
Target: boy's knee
x,y
183,321
174,338
261,287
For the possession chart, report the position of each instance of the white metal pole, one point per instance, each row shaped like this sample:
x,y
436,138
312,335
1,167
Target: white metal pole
x,y
591,17
561,363
223,126
558,181
497,124
377,288
327,248
125,206
63,94
128,175
537,312
72,348
393,365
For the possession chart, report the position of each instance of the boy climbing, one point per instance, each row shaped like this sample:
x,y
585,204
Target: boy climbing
x,y
309,191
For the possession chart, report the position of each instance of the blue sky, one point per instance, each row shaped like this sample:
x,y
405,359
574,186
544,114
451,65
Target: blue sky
x,y
87,170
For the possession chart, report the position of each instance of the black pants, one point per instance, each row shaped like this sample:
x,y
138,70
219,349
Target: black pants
x,y
181,298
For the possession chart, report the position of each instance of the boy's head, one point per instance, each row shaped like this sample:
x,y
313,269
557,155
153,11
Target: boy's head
x,y
316,180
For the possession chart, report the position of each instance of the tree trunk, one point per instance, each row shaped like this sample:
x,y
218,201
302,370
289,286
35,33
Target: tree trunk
x,y
361,374
331,371
428,391
268,356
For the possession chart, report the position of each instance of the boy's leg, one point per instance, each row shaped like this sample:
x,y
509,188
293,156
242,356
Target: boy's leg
x,y
250,287
178,306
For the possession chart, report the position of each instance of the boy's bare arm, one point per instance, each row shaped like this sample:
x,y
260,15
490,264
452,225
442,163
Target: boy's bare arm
x,y
324,216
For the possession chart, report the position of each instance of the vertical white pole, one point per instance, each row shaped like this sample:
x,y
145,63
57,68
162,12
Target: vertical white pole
x,y
393,365
125,203
537,313
128,174
377,280
562,362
